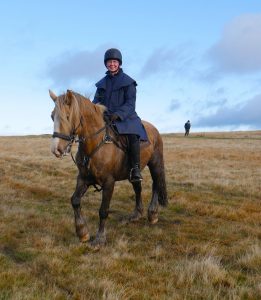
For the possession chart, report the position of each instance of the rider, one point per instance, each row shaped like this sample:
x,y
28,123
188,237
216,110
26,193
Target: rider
x,y
117,91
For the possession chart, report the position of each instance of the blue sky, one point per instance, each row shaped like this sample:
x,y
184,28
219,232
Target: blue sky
x,y
197,60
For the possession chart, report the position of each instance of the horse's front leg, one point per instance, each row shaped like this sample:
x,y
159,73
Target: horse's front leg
x,y
80,224
107,192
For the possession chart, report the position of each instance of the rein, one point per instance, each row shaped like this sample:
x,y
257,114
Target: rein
x,y
107,139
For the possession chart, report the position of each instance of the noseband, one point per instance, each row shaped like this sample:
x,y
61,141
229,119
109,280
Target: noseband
x,y
70,138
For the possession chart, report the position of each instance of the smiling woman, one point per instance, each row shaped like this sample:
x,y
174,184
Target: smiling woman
x,y
117,91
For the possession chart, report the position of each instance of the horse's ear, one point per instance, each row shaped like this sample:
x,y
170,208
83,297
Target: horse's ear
x,y
52,95
69,97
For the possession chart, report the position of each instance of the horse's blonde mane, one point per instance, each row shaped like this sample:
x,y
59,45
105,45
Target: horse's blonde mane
x,y
79,105
101,107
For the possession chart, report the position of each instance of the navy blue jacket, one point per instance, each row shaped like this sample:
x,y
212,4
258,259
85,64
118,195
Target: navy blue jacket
x,y
187,125
118,94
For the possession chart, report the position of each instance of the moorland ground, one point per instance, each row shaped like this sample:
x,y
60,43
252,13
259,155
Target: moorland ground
x,y
206,244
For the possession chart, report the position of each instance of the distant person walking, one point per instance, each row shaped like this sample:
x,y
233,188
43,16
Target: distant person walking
x,y
187,127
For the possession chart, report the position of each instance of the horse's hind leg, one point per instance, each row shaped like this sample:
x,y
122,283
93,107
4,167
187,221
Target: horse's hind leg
x,y
80,224
154,205
159,192
138,211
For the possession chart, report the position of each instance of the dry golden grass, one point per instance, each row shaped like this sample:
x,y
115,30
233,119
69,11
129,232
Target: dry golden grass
x,y
206,244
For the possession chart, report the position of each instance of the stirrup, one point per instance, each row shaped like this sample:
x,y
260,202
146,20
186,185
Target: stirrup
x,y
107,139
135,178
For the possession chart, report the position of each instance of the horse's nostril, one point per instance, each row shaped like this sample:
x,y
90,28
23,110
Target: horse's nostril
x,y
57,152
60,150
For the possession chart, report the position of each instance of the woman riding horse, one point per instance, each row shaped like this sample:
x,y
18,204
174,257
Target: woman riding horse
x,y
117,92
101,163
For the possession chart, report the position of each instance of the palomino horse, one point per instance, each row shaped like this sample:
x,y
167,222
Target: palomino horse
x,y
101,160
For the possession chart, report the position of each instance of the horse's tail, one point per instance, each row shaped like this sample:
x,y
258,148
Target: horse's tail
x,y
162,189
157,170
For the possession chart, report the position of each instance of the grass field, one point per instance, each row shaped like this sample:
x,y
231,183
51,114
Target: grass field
x,y
206,245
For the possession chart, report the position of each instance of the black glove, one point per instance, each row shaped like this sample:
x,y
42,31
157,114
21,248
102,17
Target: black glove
x,y
114,117
106,116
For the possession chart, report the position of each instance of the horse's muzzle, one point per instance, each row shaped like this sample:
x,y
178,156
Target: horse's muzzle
x,y
60,153
60,149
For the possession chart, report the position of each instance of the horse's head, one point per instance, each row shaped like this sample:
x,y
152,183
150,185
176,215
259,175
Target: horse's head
x,y
67,120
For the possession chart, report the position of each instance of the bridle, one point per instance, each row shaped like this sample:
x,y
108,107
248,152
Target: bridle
x,y
107,138
70,138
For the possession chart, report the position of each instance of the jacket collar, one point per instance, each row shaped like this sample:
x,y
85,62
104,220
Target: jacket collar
x,y
122,80
102,83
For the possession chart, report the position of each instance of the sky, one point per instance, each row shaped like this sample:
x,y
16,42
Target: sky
x,y
193,60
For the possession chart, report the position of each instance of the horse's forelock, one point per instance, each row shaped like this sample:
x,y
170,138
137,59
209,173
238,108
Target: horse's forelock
x,y
68,114
76,110
75,114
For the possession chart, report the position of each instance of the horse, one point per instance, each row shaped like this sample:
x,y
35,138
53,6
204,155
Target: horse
x,y
102,160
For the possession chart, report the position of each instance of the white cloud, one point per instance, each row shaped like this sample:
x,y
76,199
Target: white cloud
x,y
247,115
77,66
239,48
164,61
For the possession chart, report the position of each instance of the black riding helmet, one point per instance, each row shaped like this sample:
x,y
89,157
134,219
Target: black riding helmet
x,y
113,53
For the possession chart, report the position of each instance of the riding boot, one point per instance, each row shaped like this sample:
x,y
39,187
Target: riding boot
x,y
134,153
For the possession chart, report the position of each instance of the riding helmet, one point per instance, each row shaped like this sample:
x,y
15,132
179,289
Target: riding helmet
x,y
113,53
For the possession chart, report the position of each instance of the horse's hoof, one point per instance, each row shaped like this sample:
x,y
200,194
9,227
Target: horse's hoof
x,y
98,242
82,232
96,245
154,221
85,238
135,217
90,247
153,218
132,218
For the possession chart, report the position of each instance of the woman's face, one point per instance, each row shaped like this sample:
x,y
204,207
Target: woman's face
x,y
113,65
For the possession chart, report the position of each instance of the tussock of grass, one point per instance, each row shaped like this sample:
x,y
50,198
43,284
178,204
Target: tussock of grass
x,y
206,270
251,260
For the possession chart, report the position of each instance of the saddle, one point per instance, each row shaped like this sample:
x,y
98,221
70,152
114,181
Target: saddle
x,y
112,136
